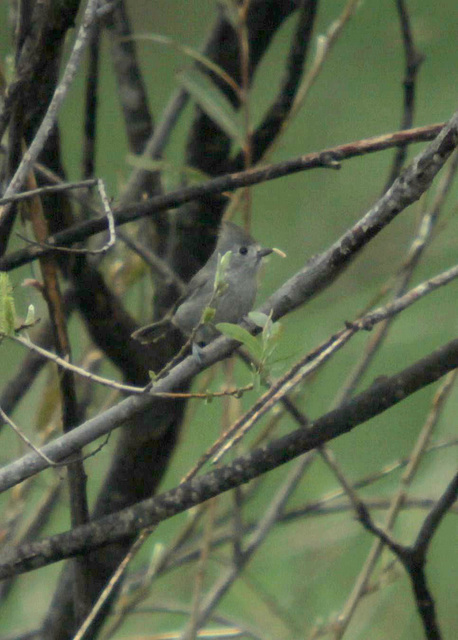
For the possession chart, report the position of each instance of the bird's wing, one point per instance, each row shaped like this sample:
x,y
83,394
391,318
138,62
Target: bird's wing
x,y
196,284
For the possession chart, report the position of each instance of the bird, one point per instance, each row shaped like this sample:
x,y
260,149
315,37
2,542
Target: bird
x,y
230,300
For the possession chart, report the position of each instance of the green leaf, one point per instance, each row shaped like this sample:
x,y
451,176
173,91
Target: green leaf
x,y
231,13
166,167
190,53
207,315
236,332
213,101
260,319
221,270
7,310
257,381
30,318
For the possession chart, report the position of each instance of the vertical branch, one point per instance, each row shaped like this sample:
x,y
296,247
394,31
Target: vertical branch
x,y
131,88
48,123
413,60
397,501
417,249
244,48
90,111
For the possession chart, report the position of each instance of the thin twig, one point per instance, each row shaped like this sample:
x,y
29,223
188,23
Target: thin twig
x,y
56,188
60,93
327,158
415,252
413,60
125,388
306,365
397,501
101,250
262,529
386,393
25,439
114,580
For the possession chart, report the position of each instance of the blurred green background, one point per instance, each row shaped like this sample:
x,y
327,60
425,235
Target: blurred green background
x,y
303,573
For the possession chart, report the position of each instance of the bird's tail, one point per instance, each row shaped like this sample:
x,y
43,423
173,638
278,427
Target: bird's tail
x,y
153,332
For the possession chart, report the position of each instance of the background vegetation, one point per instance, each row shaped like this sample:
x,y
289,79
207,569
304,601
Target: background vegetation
x,y
298,582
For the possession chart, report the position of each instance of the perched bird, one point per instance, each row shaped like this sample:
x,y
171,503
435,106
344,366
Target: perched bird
x,y
232,299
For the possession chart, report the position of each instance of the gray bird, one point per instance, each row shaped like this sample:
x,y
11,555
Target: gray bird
x,y
231,303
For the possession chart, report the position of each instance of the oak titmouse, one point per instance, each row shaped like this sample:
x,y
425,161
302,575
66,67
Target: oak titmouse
x,y
233,300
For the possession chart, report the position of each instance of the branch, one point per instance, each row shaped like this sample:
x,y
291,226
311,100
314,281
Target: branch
x,y
413,60
128,522
49,120
324,159
185,370
305,284
414,558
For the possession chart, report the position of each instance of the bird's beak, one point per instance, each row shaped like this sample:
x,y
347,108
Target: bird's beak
x,y
262,253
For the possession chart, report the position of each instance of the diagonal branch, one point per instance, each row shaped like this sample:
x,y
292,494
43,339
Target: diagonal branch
x,y
327,158
128,522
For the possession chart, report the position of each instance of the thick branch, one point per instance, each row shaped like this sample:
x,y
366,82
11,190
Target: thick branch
x,y
128,522
324,159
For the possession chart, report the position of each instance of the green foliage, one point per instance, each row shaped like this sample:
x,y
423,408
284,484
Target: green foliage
x,y
260,347
236,332
207,315
221,272
7,309
213,102
30,317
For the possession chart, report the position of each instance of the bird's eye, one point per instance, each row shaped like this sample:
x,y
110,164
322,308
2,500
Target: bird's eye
x,y
243,251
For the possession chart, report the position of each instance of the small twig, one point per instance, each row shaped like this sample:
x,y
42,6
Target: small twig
x,y
20,531
109,214
263,528
414,558
312,361
56,188
192,627
25,439
327,158
125,388
155,570
325,44
417,249
60,93
61,362
413,60
435,516
312,509
114,580
397,501
271,127
230,629
244,97
111,229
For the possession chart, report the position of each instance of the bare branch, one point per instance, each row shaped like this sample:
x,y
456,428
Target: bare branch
x,y
327,158
128,522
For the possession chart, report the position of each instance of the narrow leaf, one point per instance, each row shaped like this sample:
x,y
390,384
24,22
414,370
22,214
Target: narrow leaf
x,y
260,319
190,53
30,318
208,314
211,100
7,310
236,332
